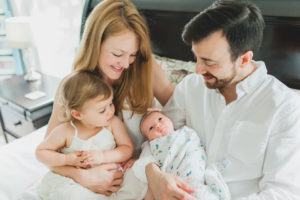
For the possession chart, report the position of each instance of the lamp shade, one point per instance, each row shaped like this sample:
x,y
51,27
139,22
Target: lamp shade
x,y
18,31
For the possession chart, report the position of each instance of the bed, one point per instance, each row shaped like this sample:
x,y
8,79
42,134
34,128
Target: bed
x,y
280,50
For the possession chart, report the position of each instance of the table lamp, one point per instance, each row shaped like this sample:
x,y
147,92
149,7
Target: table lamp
x,y
19,35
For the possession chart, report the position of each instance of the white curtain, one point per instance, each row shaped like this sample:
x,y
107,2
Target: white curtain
x,y
56,28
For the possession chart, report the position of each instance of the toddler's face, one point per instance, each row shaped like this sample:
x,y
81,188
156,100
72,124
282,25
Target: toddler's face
x,y
156,125
97,112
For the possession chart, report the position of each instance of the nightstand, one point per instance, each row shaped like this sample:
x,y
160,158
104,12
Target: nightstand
x,y
21,115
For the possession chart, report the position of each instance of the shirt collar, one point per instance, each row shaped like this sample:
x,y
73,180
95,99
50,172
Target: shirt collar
x,y
252,81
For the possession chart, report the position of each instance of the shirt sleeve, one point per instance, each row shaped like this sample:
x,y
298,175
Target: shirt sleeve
x,y
174,109
281,176
146,157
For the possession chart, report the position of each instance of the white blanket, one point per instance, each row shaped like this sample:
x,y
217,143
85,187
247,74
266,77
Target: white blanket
x,y
18,165
181,153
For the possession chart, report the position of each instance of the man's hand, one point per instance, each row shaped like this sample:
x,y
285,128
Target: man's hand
x,y
101,179
166,186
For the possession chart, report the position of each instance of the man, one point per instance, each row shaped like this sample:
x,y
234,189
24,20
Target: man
x,y
242,114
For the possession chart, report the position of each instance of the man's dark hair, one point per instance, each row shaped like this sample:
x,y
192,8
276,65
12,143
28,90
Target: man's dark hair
x,y
241,23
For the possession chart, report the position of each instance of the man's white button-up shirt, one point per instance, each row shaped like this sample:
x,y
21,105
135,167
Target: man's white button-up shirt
x,y
259,132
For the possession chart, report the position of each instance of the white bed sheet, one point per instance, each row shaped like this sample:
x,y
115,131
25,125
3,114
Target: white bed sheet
x,y
18,166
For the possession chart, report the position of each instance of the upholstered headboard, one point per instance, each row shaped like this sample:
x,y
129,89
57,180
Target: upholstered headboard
x,y
280,48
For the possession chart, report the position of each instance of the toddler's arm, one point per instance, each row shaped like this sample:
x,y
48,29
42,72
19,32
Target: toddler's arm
x,y
121,153
47,151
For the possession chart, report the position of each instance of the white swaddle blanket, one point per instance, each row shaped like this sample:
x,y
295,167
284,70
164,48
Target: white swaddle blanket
x,y
182,153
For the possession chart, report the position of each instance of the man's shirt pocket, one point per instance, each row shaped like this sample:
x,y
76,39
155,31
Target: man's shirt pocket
x,y
248,142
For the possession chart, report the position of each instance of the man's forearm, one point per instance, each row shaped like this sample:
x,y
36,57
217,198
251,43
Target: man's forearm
x,y
144,160
152,168
152,171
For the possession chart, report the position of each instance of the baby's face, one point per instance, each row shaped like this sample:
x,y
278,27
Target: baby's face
x,y
156,125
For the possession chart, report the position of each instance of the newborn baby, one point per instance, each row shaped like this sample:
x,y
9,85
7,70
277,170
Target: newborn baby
x,y
181,153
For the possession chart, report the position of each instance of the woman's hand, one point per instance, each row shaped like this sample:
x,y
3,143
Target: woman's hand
x,y
166,186
101,179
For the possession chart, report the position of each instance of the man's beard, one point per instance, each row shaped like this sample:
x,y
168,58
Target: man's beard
x,y
219,83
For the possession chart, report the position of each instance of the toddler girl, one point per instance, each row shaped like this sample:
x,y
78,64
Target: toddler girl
x,y
90,136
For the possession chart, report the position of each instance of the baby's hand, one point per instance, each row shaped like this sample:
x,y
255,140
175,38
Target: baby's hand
x,y
75,159
92,157
128,164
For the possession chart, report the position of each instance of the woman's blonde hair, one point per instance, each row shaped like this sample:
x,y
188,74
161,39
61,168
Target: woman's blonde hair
x,y
79,87
108,18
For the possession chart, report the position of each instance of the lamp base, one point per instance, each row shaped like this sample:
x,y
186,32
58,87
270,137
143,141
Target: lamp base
x,y
32,76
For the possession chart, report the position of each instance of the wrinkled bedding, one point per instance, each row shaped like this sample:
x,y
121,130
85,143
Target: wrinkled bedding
x,y
18,165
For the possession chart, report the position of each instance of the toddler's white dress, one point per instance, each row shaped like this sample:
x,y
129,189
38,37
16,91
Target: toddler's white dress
x,y
55,187
59,187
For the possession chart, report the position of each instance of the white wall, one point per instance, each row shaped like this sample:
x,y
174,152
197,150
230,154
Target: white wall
x,y
56,26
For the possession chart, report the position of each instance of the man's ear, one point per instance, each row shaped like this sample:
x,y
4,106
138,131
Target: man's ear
x,y
76,114
246,58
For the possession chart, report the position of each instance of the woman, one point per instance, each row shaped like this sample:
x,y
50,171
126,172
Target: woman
x,y
116,46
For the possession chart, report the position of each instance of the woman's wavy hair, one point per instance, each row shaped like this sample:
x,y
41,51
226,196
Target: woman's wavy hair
x,y
133,90
79,87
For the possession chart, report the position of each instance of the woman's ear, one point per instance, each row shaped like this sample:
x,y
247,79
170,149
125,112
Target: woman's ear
x,y
76,114
246,58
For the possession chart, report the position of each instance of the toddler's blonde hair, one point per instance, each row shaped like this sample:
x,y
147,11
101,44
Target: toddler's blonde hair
x,y
79,87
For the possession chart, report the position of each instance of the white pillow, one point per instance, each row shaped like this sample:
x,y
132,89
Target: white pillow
x,y
176,70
